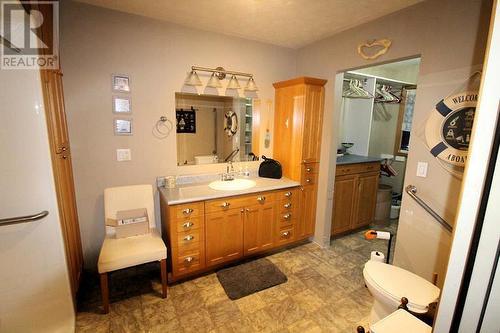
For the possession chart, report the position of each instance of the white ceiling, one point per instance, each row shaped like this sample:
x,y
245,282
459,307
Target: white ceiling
x,y
289,23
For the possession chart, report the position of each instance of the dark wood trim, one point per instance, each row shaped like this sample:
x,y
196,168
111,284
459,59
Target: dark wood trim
x,y
105,292
163,266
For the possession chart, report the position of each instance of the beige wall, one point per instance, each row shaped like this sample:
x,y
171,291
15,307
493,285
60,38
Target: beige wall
x,y
450,36
95,43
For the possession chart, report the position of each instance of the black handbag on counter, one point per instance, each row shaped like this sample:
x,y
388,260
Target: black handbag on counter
x,y
270,168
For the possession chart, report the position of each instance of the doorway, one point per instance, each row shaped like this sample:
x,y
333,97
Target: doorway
x,y
375,125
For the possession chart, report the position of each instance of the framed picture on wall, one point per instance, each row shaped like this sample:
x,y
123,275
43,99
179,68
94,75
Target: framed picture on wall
x,y
121,104
122,126
121,83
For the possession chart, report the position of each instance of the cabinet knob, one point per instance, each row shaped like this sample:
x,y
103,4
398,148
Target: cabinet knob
x,y
225,205
188,260
287,205
261,199
187,211
189,238
308,180
288,194
187,225
287,216
286,234
308,169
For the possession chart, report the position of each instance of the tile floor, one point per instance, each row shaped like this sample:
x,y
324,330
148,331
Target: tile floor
x,y
325,292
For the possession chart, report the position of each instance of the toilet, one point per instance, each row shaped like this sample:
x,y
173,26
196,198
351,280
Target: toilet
x,y
388,284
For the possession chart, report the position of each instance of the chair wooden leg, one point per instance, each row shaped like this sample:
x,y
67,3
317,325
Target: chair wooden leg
x,y
105,292
163,265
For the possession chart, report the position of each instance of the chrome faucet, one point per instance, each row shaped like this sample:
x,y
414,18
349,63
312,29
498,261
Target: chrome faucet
x,y
229,175
230,157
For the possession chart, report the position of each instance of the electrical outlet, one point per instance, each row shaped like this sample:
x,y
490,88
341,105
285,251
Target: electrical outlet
x,y
422,169
161,181
123,155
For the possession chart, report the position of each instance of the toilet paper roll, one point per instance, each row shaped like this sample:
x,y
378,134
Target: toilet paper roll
x,y
377,256
383,235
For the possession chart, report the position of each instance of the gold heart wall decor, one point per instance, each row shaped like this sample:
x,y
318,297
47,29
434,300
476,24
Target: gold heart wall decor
x,y
383,44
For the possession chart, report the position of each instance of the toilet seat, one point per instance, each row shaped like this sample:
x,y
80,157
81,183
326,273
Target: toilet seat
x,y
400,321
394,283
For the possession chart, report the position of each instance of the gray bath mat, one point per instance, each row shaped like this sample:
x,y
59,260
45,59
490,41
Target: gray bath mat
x,y
248,278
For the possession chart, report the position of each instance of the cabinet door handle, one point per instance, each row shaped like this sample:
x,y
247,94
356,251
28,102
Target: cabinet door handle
x,y
187,211
261,199
288,194
287,216
225,205
188,260
187,225
287,205
189,238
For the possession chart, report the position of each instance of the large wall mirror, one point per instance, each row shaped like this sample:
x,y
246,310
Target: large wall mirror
x,y
214,129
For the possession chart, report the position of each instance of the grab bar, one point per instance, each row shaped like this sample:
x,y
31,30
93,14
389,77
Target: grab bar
x,y
412,191
24,219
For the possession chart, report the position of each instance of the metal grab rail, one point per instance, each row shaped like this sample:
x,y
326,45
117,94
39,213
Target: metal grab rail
x,y
24,219
412,191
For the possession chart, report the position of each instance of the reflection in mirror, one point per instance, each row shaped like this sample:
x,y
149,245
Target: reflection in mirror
x,y
213,129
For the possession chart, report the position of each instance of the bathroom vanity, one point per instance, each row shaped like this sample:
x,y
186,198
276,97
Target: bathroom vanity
x,y
355,198
206,228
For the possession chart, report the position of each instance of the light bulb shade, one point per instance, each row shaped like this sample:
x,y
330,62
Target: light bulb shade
x,y
214,82
233,83
251,86
193,79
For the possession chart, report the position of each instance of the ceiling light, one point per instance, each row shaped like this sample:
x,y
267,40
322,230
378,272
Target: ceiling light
x,y
193,79
233,83
214,82
251,86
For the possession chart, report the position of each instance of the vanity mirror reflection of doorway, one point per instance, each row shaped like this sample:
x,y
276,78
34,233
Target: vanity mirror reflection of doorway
x,y
375,106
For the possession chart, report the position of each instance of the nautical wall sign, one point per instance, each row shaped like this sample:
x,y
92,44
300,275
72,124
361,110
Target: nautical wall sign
x,y
448,129
186,120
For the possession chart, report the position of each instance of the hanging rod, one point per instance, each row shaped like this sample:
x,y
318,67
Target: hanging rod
x,y
412,191
220,71
24,219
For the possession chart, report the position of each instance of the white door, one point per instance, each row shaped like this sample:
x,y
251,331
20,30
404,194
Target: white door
x,y
34,285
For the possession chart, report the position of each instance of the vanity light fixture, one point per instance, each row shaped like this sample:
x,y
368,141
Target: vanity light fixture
x,y
233,83
193,79
219,73
251,86
214,82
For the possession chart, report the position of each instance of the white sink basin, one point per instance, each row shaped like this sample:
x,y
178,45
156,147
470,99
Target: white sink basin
x,y
232,185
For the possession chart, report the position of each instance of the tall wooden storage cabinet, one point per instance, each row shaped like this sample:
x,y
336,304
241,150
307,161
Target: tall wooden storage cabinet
x,y
298,120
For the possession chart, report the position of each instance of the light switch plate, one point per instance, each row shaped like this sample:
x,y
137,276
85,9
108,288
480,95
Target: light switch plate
x,y
422,169
123,155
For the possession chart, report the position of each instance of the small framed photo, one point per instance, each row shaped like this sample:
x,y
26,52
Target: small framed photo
x,y
121,83
121,104
122,126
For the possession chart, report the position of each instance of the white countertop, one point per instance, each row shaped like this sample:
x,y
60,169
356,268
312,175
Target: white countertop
x,y
201,191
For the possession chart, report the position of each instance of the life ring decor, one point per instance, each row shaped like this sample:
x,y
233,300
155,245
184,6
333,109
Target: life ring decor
x,y
448,129
382,45
230,123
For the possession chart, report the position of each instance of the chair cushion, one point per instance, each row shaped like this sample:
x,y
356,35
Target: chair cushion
x,y
126,252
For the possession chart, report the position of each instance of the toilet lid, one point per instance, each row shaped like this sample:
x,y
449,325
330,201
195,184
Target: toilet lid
x,y
396,282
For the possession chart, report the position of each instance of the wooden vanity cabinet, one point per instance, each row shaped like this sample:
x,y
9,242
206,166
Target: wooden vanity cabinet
x,y
202,235
298,125
355,196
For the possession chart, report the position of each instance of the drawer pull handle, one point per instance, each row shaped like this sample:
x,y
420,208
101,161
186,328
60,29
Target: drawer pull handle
x,y
287,216
189,260
309,169
187,225
189,238
225,205
287,205
187,211
288,194
261,199
286,234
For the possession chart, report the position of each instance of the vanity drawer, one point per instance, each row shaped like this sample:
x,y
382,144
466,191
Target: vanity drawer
x,y
308,168
348,169
187,263
287,217
309,178
285,235
290,205
224,204
188,210
188,224
288,195
189,240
